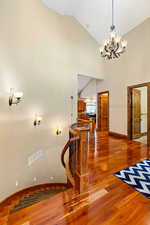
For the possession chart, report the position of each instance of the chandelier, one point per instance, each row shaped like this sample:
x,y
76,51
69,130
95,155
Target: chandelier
x,y
114,46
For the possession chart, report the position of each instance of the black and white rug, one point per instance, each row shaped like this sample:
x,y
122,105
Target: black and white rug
x,y
137,176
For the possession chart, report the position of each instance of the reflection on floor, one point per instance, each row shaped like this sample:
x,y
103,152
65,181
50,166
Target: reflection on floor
x,y
143,140
27,223
108,201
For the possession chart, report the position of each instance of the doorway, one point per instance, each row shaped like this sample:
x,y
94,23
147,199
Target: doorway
x,y
86,107
138,113
103,111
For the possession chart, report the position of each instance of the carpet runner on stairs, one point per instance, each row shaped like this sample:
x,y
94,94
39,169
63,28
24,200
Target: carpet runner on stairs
x,y
35,198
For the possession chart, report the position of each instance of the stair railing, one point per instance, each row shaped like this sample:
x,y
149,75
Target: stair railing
x,y
90,122
76,164
66,164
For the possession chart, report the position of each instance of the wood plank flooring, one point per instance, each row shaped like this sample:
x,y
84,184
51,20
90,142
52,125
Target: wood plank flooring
x,y
109,201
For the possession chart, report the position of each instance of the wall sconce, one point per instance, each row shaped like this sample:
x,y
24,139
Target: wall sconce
x,y
37,121
58,131
15,97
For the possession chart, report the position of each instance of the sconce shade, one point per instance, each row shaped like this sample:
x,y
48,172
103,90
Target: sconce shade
x,y
58,131
18,94
37,120
15,97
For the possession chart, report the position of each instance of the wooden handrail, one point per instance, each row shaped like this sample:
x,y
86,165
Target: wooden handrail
x,y
83,120
66,164
69,175
77,127
90,122
66,148
76,165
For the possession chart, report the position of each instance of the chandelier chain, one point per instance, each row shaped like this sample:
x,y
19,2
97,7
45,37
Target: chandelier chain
x,y
113,13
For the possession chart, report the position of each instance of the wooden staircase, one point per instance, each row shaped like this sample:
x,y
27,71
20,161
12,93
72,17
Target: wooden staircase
x,y
8,205
76,170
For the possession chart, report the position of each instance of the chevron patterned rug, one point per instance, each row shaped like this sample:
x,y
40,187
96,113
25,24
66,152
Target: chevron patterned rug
x,y
137,176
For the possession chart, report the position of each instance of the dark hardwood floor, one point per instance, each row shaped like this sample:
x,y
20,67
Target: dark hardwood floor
x,y
109,201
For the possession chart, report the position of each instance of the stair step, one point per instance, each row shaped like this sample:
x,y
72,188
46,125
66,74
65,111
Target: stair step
x,y
35,198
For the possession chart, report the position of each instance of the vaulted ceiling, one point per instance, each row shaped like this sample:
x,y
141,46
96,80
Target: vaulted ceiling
x,y
95,15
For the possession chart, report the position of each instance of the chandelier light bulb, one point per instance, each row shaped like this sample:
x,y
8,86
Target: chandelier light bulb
x,y
37,121
106,42
118,39
101,49
113,35
124,43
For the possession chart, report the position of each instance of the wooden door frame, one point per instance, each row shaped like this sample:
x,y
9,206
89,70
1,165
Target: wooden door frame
x,y
129,103
98,110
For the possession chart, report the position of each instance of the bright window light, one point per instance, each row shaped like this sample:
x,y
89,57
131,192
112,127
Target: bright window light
x,y
91,107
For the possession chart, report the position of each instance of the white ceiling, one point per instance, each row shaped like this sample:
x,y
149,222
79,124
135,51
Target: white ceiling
x,y
95,15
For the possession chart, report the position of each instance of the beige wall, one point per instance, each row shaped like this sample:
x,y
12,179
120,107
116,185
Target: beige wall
x,y
41,54
90,91
132,68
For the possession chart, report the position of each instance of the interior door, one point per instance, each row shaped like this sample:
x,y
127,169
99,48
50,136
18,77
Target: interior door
x,y
104,112
136,113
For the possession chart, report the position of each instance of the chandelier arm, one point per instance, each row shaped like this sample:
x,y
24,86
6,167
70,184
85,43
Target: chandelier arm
x,y
116,55
103,55
122,51
117,47
113,55
106,49
110,57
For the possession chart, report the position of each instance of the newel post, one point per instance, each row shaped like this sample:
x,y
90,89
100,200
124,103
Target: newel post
x,y
81,172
